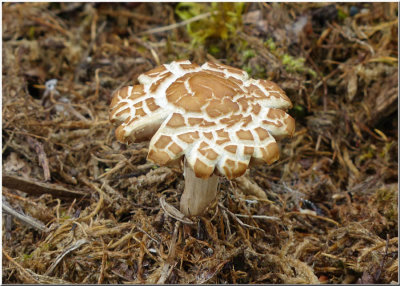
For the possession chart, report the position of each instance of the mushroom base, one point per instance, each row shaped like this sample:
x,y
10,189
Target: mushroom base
x,y
198,193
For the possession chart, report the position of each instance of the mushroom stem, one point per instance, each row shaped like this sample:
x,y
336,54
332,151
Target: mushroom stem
x,y
198,193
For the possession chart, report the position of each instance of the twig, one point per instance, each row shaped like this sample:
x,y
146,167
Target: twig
x,y
8,141
37,188
259,217
176,25
170,264
71,109
76,245
238,220
207,275
172,248
250,188
318,142
43,279
173,212
99,203
23,217
38,147
24,273
228,225
50,25
315,216
119,199
102,268
128,14
148,235
67,125
351,38
385,243
14,196
379,272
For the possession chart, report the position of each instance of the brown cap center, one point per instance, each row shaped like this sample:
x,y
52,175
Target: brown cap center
x,y
195,90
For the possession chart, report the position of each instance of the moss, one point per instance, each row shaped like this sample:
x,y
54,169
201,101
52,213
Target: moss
x,y
290,63
214,50
270,44
64,215
298,111
31,33
224,22
386,201
386,149
342,15
296,65
26,257
257,71
248,54
366,155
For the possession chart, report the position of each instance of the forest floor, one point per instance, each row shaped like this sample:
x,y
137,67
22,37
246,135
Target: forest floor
x,y
80,207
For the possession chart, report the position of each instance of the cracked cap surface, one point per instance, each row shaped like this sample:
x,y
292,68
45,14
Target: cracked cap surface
x,y
213,114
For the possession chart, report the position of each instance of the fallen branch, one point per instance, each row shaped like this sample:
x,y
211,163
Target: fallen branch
x,y
37,188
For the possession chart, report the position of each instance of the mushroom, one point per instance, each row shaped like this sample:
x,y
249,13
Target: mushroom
x,y
219,118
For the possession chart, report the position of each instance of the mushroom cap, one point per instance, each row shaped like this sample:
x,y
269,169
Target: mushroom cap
x,y
213,114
